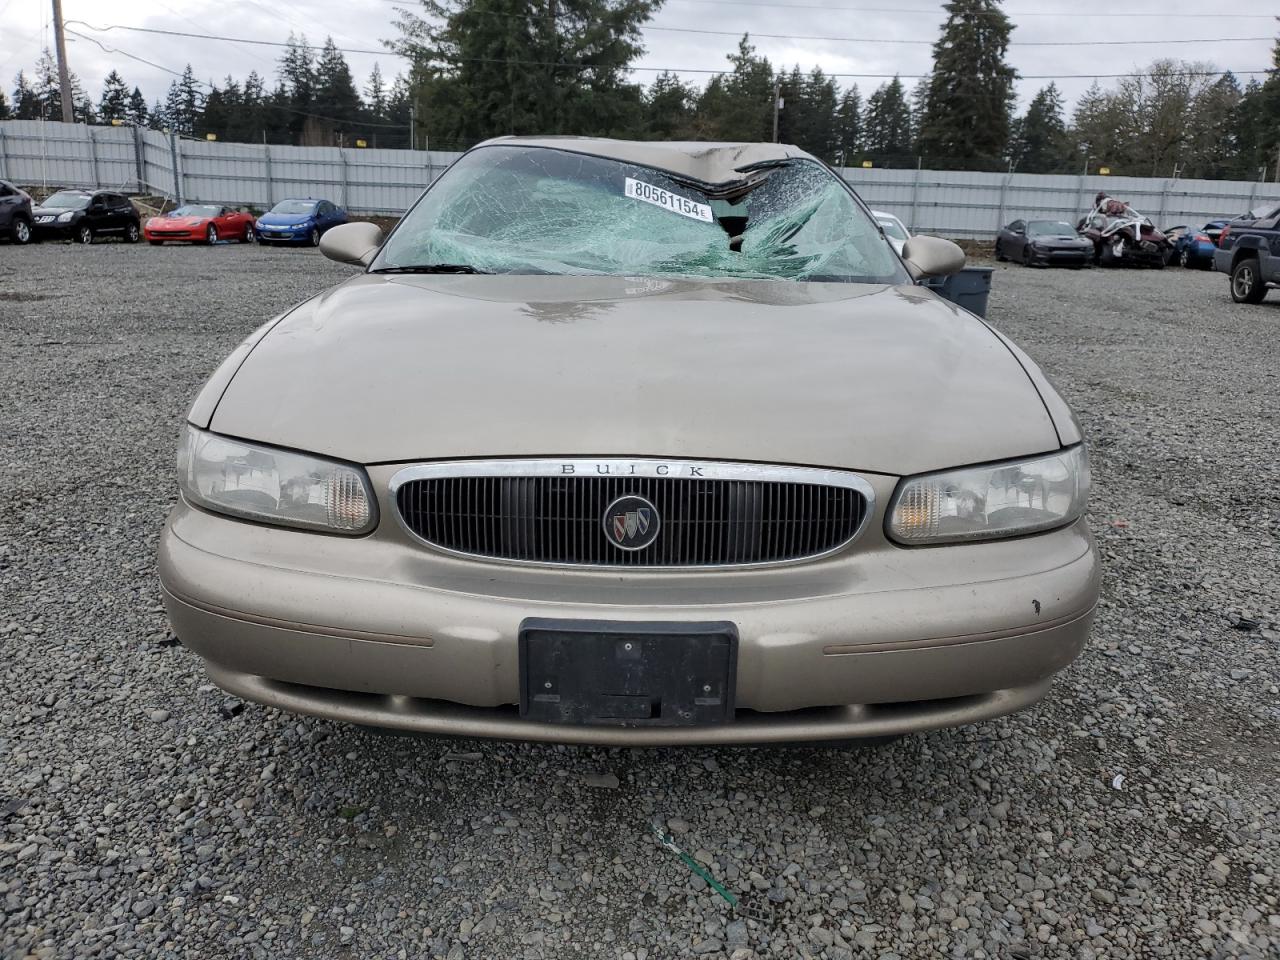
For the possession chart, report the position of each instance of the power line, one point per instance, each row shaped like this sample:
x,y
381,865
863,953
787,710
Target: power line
x,y
693,70
927,43
1012,14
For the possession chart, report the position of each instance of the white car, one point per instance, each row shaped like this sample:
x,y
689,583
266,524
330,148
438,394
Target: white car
x,y
893,229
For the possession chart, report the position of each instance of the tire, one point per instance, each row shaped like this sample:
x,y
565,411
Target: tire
x,y
20,232
131,233
1107,257
211,235
1184,260
315,236
1246,281
1000,253
249,235
84,234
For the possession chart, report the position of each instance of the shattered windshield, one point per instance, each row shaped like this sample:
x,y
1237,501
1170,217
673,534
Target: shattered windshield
x,y
508,209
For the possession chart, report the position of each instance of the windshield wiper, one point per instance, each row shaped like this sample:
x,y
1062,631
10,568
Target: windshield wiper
x,y
432,268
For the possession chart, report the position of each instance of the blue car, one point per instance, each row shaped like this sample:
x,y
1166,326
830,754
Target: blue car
x,y
298,221
1192,247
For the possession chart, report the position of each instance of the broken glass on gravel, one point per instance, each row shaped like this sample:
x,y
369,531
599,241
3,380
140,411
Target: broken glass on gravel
x,y
534,210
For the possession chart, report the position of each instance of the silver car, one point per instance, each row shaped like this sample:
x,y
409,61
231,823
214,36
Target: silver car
x,y
633,443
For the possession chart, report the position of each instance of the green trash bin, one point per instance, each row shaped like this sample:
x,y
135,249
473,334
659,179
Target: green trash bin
x,y
969,288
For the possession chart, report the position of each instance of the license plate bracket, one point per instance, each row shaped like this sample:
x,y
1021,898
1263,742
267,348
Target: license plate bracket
x,y
622,673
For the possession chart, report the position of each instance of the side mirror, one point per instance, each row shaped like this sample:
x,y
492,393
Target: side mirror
x,y
353,243
932,257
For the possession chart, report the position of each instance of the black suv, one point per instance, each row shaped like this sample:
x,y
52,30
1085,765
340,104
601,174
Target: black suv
x,y
1249,251
83,216
15,213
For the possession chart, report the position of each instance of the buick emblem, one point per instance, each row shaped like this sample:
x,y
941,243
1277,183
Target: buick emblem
x,y
631,523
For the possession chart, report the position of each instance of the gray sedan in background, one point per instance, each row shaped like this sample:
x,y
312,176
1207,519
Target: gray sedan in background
x,y
633,443
1043,243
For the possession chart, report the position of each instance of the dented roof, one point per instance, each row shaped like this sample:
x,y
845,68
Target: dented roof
x,y
705,162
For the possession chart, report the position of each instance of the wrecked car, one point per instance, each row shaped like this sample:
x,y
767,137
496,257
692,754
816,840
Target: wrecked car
x,y
1122,236
634,444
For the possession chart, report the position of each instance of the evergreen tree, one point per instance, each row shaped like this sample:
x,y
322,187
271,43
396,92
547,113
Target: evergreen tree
x,y
157,120
375,94
136,112
886,128
48,91
294,98
26,105
335,94
967,112
1256,121
669,105
848,127
738,105
1040,144
484,67
114,103
4,107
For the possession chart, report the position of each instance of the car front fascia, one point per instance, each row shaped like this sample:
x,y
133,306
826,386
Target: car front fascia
x,y
387,618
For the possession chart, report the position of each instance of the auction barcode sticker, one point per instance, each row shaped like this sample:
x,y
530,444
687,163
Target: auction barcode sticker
x,y
667,200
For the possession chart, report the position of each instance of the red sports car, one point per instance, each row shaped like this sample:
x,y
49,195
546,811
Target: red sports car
x,y
200,223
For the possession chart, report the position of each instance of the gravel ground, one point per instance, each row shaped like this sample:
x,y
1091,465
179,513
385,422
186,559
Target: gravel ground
x,y
1134,813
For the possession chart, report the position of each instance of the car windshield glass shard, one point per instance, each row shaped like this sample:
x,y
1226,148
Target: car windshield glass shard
x,y
1050,228
66,201
431,268
294,206
543,211
195,210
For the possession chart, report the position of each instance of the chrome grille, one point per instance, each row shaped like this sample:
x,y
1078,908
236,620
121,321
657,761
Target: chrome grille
x,y
552,512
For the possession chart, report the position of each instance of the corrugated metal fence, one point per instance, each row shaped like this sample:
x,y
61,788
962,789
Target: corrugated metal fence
x,y
949,203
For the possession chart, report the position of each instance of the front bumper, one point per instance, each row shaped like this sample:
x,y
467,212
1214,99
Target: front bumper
x,y
1073,256
283,235
872,641
53,230
183,236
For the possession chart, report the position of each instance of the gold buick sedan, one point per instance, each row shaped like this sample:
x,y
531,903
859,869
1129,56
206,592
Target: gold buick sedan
x,y
633,443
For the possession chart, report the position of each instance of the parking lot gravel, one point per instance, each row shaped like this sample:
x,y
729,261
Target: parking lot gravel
x,y
143,814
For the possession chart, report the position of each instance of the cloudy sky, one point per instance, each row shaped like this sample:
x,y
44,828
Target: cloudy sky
x,y
687,35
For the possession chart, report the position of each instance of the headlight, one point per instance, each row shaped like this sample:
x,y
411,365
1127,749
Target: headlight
x,y
272,485
65,217
983,503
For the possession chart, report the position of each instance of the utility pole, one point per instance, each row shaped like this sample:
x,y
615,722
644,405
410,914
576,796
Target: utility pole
x,y
64,75
411,125
777,105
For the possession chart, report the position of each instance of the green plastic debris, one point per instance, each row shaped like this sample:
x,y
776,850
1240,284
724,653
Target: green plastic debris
x,y
743,909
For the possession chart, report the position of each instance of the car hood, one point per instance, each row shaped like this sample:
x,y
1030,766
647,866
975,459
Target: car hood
x,y
179,222
284,219
1059,238
51,211
887,379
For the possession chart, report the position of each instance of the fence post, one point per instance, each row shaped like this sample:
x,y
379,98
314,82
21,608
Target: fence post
x,y
177,176
271,184
138,160
93,156
346,200
1164,199
915,193
1004,187
4,157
